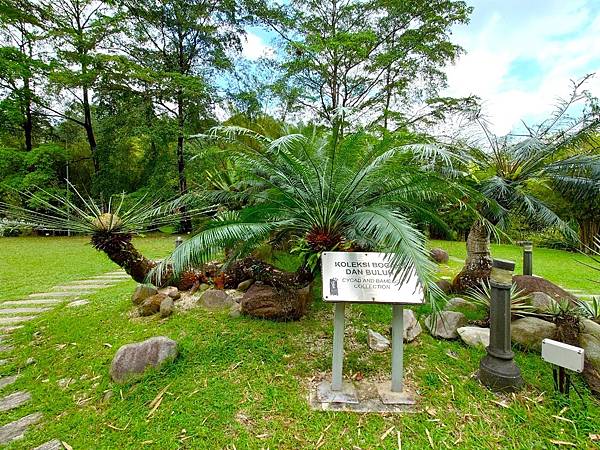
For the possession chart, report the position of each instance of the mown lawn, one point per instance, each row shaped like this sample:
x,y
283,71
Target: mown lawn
x,y
242,383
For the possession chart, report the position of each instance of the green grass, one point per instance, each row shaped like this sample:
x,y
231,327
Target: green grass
x,y
243,382
560,267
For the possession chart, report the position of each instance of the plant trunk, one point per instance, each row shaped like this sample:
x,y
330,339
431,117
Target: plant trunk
x,y
589,230
186,222
478,263
120,250
28,122
89,129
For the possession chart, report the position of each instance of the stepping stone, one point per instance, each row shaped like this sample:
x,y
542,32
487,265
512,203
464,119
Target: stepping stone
x,y
5,381
23,310
10,329
77,287
97,281
6,348
77,303
15,319
34,301
54,444
117,278
48,295
14,400
15,430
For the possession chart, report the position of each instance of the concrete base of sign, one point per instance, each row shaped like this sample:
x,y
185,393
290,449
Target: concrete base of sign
x,y
327,395
369,400
388,397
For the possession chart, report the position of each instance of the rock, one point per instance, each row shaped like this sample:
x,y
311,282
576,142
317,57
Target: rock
x,y
166,307
590,327
439,255
444,285
203,287
266,302
412,327
531,331
235,295
377,341
475,336
76,303
529,284
235,311
14,400
541,301
133,360
591,346
460,303
245,285
142,292
151,305
445,324
54,444
216,299
171,291
15,430
592,378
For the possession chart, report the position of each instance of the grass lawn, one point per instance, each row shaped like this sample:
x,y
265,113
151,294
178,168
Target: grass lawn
x,y
243,382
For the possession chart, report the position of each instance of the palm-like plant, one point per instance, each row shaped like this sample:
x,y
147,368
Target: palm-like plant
x,y
515,172
363,193
111,224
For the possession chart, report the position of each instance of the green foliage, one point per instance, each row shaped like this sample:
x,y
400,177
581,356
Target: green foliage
x,y
520,303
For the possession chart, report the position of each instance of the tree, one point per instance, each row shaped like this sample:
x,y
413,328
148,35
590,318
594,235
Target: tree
x,y
179,46
19,63
78,30
357,194
513,173
364,62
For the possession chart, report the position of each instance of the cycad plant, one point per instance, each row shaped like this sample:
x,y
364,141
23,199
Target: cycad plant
x,y
361,193
517,172
111,224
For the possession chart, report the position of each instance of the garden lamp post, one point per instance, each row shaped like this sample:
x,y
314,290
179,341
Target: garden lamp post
x,y
497,369
527,258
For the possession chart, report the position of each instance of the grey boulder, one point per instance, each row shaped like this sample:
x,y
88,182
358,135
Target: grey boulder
x,y
377,341
245,285
132,360
142,292
216,299
166,307
474,336
171,291
531,331
591,347
460,303
412,327
541,301
445,324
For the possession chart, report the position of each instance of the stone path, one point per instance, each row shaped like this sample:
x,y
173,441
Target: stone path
x,y
15,312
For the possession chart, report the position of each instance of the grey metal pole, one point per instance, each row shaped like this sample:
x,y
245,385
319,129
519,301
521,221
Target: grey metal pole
x,y
527,258
178,241
497,369
397,348
338,346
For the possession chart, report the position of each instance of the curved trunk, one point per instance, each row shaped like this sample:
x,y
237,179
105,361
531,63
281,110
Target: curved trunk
x,y
478,263
289,303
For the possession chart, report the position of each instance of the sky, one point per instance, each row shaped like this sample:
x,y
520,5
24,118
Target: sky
x,y
520,56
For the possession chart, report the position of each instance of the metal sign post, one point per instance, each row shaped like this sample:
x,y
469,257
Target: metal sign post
x,y
366,278
527,258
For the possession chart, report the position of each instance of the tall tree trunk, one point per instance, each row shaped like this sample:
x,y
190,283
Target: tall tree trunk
x,y
478,263
28,122
89,128
186,222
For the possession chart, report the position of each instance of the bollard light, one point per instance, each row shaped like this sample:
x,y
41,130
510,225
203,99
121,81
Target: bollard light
x,y
527,258
497,369
178,241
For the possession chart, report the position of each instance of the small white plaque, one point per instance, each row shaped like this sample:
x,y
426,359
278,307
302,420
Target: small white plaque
x,y
563,355
366,278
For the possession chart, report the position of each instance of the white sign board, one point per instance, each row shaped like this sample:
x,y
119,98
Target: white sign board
x,y
366,278
563,355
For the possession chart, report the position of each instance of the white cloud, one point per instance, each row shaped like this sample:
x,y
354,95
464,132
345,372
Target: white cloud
x,y
519,61
254,47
